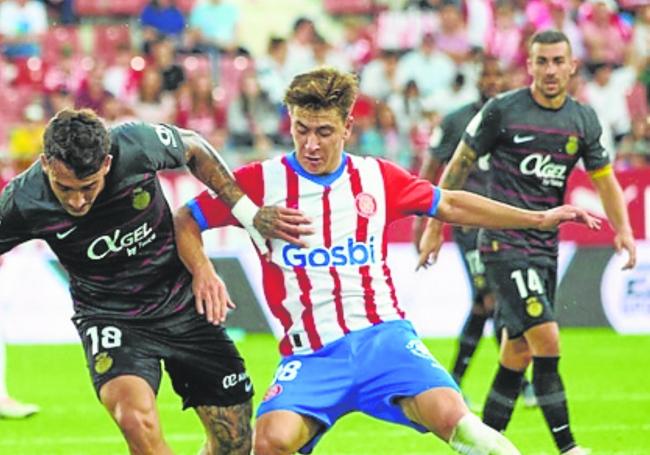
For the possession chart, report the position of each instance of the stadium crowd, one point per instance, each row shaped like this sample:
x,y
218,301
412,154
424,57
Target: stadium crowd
x,y
185,62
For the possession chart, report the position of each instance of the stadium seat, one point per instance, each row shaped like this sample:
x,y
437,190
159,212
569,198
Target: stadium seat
x,y
185,5
126,7
91,7
349,6
56,39
108,38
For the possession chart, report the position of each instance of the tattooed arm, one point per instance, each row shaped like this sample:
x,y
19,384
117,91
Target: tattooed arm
x,y
453,178
271,222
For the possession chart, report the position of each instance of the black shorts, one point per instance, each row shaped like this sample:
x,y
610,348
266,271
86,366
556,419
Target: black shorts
x,y
525,293
466,239
202,361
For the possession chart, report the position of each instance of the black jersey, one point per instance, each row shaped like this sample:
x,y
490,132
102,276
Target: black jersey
x,y
121,256
533,149
444,142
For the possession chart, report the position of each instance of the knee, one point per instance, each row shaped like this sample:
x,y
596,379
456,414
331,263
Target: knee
x,y
136,424
271,442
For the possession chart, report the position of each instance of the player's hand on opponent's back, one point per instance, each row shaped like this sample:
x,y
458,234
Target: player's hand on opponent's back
x,y
430,243
210,295
552,218
625,241
283,223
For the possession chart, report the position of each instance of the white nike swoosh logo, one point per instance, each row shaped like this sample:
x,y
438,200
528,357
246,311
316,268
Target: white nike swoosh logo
x,y
521,139
248,386
64,234
560,428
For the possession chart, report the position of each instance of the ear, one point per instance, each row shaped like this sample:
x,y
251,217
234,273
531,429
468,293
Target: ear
x,y
44,163
349,122
529,67
106,165
574,66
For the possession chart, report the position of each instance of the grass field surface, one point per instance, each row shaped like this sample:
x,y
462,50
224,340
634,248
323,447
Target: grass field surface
x,y
606,377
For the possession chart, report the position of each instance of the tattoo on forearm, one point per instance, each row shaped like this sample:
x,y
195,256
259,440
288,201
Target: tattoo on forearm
x,y
229,428
458,170
265,221
206,164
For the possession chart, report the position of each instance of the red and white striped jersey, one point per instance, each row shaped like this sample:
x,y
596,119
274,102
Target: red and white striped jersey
x,y
341,282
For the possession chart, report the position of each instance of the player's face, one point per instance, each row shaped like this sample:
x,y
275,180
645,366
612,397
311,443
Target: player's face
x,y
551,66
76,195
491,82
319,137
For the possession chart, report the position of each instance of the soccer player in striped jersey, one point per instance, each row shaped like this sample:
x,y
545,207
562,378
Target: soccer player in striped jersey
x,y
535,136
347,344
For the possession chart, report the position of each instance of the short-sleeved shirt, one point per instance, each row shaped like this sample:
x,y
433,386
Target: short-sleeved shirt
x,y
533,150
341,282
121,256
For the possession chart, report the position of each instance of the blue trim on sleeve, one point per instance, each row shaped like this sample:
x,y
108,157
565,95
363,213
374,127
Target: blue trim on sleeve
x,y
437,196
325,179
193,205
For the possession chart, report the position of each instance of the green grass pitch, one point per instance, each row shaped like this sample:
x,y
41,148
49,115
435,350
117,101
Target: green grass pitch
x,y
606,376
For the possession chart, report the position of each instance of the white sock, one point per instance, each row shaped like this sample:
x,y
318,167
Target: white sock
x,y
3,364
473,437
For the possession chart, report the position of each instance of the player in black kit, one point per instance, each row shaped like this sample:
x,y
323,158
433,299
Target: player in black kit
x,y
95,199
535,137
442,145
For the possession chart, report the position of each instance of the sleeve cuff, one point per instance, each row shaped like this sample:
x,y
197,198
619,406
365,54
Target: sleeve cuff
x,y
437,196
197,214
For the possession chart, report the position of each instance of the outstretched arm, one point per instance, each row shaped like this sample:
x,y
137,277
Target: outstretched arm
x,y
429,171
210,293
611,195
469,209
271,222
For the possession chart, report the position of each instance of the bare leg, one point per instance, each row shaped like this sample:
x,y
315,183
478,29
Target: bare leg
x,y
283,432
132,404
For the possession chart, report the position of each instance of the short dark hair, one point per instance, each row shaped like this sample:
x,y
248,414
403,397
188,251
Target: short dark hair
x,y
77,138
323,88
549,37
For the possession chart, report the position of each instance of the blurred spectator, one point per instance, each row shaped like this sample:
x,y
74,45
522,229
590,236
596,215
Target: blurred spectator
x,y
161,18
22,26
385,140
446,101
218,21
452,37
606,38
253,120
407,107
57,100
152,104
430,68
116,112
199,110
358,39
641,34
326,55
634,150
63,11
505,42
559,19
26,138
271,69
606,93
379,77
480,22
164,58
300,53
68,71
119,78
91,93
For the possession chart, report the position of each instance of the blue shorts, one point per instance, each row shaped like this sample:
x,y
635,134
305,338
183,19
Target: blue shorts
x,y
367,370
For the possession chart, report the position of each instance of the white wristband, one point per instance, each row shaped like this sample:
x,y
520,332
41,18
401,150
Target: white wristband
x,y
245,210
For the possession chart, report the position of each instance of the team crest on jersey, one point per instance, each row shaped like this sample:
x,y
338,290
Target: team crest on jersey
x,y
141,199
103,362
271,392
366,205
571,146
534,307
418,349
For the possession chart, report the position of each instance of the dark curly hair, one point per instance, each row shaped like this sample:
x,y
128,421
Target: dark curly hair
x,y
77,138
